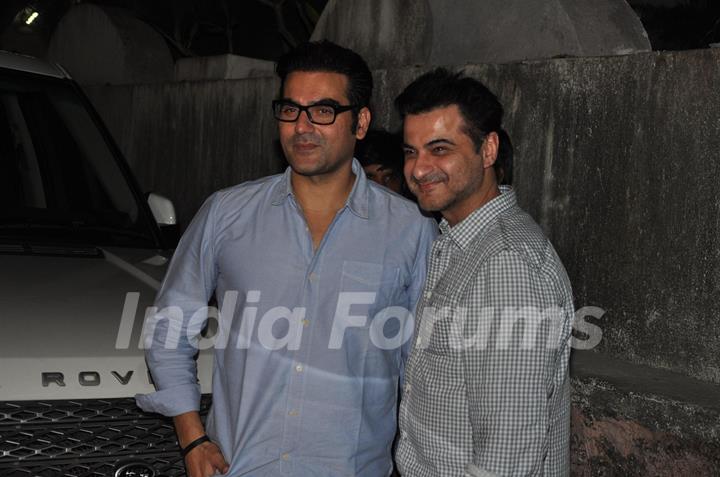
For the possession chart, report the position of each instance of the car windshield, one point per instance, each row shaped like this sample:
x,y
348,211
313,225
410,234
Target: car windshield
x,y
59,179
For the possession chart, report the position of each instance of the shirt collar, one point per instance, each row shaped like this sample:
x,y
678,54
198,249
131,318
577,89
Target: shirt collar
x,y
464,232
358,200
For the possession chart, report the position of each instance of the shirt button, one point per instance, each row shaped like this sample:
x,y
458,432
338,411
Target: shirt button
x,y
408,388
285,456
299,368
305,322
293,413
418,341
313,277
427,294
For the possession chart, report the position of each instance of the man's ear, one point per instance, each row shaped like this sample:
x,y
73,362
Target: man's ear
x,y
363,123
489,149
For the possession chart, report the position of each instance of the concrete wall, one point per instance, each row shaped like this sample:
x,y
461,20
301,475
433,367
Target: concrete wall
x,y
186,140
617,158
385,32
392,33
106,45
495,31
200,68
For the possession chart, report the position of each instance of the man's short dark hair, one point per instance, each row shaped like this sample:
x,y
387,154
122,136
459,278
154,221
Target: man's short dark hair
x,y
328,57
479,107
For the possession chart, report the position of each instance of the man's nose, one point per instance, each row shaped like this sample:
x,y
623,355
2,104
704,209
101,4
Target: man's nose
x,y
303,123
421,166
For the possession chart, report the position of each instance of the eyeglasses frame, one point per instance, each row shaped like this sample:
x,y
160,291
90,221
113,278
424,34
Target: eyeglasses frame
x,y
338,110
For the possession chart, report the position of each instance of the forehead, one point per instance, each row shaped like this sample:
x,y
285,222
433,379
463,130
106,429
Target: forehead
x,y
440,123
307,86
377,169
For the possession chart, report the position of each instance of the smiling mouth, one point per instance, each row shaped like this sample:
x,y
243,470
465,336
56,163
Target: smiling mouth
x,y
304,147
427,186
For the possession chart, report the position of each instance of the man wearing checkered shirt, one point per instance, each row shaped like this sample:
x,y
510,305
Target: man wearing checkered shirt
x,y
486,388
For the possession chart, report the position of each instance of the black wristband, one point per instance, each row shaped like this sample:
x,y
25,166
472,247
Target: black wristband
x,y
200,440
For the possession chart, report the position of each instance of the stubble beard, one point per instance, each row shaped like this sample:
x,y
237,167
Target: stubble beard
x,y
317,163
452,199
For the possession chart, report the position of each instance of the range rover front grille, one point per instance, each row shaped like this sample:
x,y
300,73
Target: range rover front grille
x,y
85,438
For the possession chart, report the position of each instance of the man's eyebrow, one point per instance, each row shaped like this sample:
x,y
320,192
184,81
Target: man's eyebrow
x,y
439,141
323,101
407,146
330,101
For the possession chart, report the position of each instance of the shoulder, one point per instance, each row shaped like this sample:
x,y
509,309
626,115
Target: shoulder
x,y
246,194
518,246
515,236
248,190
383,200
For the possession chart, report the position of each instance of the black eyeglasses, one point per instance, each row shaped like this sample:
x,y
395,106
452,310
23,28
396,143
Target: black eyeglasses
x,y
320,113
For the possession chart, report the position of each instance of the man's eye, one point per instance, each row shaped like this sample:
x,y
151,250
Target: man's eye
x,y
325,110
408,152
439,150
288,109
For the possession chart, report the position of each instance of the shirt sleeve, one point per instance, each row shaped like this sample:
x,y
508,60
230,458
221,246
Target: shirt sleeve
x,y
509,374
172,333
428,233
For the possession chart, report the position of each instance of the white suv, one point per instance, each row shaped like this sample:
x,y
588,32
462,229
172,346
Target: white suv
x,y
81,257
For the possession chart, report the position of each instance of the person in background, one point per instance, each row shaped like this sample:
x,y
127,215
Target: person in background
x,y
381,155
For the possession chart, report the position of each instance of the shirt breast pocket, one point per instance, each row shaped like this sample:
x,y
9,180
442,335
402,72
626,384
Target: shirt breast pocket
x,y
440,326
367,276
368,288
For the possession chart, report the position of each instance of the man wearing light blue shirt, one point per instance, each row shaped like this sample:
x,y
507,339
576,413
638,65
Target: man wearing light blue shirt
x,y
320,267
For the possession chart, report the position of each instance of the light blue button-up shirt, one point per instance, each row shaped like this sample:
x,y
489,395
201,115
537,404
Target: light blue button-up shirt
x,y
308,359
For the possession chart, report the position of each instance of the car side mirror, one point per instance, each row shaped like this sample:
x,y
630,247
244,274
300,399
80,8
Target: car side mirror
x,y
163,211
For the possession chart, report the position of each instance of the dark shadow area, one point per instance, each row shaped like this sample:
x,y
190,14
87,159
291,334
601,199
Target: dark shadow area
x,y
687,26
255,28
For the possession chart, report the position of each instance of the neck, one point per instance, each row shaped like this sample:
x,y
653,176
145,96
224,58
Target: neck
x,y
323,193
456,215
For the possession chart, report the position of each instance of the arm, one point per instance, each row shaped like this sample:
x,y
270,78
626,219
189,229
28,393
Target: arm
x,y
509,380
428,232
171,337
204,460
171,333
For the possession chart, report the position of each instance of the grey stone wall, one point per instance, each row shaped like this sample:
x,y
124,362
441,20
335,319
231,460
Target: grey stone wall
x,y
108,45
185,140
385,32
617,158
200,68
393,33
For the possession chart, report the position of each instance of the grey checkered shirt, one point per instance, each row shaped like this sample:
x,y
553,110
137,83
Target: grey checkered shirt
x,y
486,385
